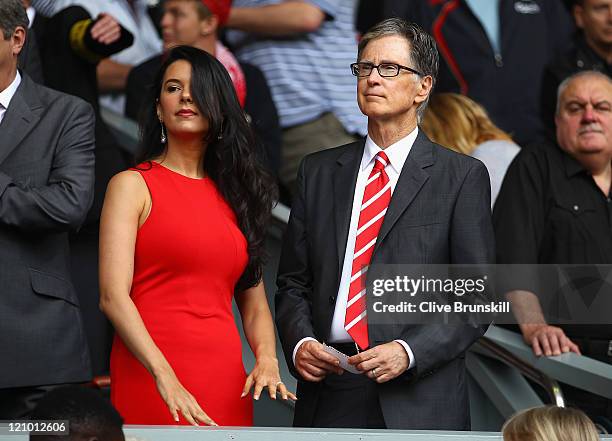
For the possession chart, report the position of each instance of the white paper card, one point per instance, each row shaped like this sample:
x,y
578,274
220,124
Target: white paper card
x,y
344,364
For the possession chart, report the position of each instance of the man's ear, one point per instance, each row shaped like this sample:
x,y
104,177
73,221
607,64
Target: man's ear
x,y
209,25
425,90
18,40
577,12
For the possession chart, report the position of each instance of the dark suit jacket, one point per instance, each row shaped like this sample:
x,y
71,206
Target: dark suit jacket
x,y
46,187
439,213
29,59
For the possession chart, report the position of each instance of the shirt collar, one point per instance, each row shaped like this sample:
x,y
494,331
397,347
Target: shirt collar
x,y
572,166
31,16
596,61
397,152
7,94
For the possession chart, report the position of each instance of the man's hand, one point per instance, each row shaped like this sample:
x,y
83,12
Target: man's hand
x,y
547,340
382,363
313,363
106,30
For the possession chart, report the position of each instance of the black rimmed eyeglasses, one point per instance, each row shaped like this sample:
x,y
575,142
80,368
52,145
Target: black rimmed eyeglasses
x,y
386,70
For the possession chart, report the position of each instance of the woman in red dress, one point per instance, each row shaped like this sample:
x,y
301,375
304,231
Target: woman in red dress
x,y
181,235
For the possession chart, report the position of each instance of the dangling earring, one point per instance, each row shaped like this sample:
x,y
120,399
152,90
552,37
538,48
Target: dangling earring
x,y
220,135
163,137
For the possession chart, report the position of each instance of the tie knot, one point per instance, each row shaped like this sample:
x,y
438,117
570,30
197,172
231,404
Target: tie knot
x,y
380,161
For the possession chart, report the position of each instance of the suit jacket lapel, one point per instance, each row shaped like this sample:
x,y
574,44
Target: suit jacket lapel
x,y
345,180
19,118
411,180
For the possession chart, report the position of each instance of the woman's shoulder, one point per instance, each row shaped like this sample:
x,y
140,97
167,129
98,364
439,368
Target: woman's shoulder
x,y
126,192
130,180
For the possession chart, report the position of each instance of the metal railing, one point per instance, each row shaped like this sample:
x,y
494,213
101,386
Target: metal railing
x,y
576,370
488,347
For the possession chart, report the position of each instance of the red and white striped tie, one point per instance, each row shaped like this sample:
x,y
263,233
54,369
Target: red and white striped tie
x,y
376,199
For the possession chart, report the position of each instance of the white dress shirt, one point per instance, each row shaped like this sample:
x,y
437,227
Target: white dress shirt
x,y
7,95
31,16
397,154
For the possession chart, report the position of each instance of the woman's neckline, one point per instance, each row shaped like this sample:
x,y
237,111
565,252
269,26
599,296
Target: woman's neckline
x,y
177,173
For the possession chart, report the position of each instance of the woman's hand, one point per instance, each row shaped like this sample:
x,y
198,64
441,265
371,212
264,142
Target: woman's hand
x,y
266,374
178,399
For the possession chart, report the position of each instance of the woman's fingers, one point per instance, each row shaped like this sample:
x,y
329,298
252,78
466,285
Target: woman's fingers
x,y
285,392
201,416
272,388
206,419
247,386
259,385
173,412
187,414
181,401
272,382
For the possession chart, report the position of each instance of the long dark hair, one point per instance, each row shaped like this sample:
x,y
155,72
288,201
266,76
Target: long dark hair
x,y
230,159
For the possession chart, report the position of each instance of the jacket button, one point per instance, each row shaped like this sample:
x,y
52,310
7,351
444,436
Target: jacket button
x,y
499,61
332,300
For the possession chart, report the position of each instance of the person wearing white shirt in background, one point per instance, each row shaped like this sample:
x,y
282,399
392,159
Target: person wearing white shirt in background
x,y
113,71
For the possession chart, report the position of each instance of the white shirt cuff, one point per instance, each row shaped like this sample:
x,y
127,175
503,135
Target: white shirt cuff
x,y
406,347
297,346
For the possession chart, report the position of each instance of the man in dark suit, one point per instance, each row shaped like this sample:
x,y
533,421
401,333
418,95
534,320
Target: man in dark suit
x,y
46,185
394,198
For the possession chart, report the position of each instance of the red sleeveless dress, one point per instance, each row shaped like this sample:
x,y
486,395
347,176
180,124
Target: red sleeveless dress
x,y
189,255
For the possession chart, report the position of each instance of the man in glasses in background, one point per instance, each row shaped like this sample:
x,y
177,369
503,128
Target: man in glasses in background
x,y
393,198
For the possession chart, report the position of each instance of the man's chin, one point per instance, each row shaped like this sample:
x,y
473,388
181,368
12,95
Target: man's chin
x,y
376,113
591,147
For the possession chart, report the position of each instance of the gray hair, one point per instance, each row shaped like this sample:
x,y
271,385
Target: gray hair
x,y
12,15
584,73
423,54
